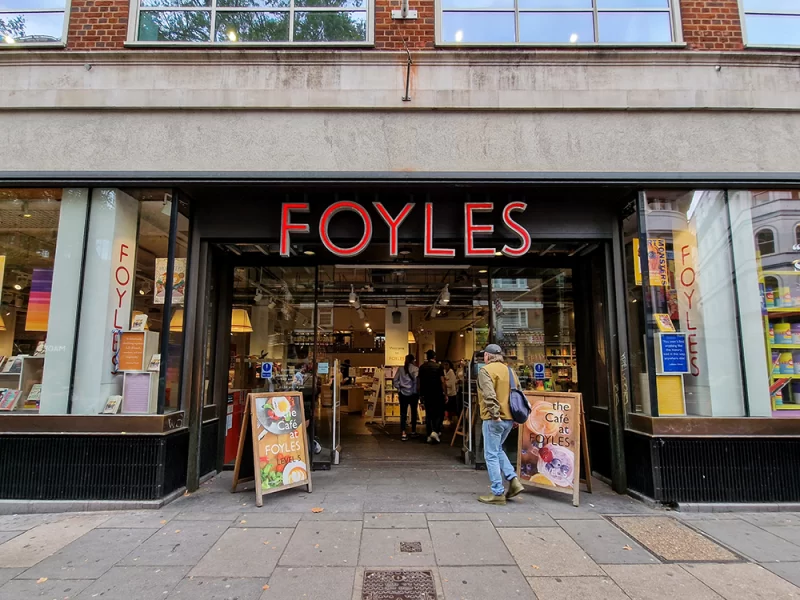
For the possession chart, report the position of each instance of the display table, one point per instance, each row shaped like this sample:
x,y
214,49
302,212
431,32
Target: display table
x,y
352,399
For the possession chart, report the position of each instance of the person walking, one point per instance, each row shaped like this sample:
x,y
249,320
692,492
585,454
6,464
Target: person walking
x,y
451,381
432,393
494,391
405,382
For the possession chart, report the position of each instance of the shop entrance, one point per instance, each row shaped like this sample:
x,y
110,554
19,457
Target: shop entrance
x,y
340,333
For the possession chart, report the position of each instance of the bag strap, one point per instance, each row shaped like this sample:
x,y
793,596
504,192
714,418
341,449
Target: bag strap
x,y
512,380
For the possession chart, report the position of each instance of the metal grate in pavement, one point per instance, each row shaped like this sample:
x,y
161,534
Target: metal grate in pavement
x,y
398,585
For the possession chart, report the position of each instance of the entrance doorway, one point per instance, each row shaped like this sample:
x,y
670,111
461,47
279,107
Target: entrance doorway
x,y
343,330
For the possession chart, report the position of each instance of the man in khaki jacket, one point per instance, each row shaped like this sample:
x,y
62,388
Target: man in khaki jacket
x,y
494,391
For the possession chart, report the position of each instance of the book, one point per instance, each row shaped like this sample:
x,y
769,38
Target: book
x,y
663,322
9,399
40,348
155,363
13,365
113,404
34,397
139,322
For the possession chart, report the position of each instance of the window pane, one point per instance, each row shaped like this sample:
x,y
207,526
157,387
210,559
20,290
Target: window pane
x,y
470,27
456,4
252,26
633,28
249,3
601,4
556,28
332,3
555,4
175,26
31,4
175,3
772,5
691,305
330,26
31,27
773,30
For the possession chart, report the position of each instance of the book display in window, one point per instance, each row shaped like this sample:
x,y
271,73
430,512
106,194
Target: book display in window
x,y
780,307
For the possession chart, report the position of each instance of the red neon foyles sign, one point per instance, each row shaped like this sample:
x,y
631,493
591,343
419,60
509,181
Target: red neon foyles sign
x,y
394,222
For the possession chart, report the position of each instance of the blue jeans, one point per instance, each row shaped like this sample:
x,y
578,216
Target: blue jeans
x,y
497,463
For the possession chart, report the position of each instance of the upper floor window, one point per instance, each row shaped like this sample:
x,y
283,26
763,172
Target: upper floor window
x,y
771,22
253,21
765,240
556,21
32,22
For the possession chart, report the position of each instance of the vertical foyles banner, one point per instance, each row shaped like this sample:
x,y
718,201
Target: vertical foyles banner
x,y
396,335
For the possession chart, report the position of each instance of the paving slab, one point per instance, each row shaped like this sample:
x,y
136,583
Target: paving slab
x,y
659,582
254,552
342,502
323,543
419,503
91,555
457,516
738,581
305,583
26,522
606,544
24,589
135,583
149,519
395,521
381,547
225,517
570,588
464,543
181,543
267,519
7,535
789,571
522,519
332,515
7,574
218,588
479,583
790,533
750,540
672,540
548,551
34,545
772,519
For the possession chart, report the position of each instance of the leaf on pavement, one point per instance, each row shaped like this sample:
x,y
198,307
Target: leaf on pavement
x,y
317,509
41,580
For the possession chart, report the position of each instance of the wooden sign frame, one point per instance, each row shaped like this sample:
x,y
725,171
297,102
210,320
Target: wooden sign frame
x,y
581,449
250,419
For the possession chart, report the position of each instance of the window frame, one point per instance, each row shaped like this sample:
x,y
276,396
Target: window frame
x,y
62,43
743,21
673,9
135,14
775,249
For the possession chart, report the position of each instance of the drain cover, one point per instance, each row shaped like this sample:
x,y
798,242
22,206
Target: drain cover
x,y
398,585
410,546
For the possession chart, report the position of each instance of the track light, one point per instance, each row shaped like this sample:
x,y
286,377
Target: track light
x,y
366,325
461,334
271,304
353,298
259,295
445,297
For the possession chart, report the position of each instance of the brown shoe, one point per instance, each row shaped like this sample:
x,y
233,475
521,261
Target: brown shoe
x,y
492,499
515,488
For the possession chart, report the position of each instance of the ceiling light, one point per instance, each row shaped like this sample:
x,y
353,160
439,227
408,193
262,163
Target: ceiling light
x,y
17,286
271,304
498,253
232,36
483,271
141,292
445,298
352,299
405,251
309,253
366,325
438,311
259,295
461,334
573,38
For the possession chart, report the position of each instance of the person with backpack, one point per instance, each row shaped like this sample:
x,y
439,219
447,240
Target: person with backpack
x,y
405,382
496,384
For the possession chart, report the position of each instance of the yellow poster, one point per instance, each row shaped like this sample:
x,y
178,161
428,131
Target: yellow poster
x,y
656,262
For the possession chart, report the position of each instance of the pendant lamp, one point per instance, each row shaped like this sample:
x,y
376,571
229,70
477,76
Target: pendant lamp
x,y
411,338
2,324
240,321
176,322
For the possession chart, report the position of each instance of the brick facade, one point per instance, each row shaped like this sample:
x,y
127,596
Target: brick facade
x,y
712,24
98,24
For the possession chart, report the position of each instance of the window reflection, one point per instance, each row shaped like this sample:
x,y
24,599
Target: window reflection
x,y
634,28
773,30
478,27
557,28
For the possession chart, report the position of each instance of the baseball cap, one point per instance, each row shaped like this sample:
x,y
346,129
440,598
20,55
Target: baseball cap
x,y
493,349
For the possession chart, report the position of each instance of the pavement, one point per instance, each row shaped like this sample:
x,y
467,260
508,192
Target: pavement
x,y
404,509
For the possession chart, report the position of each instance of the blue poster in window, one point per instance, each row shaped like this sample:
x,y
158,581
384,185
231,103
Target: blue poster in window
x,y
673,353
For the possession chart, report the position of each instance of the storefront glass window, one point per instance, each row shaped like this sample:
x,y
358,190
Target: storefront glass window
x,y
41,241
32,22
688,285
